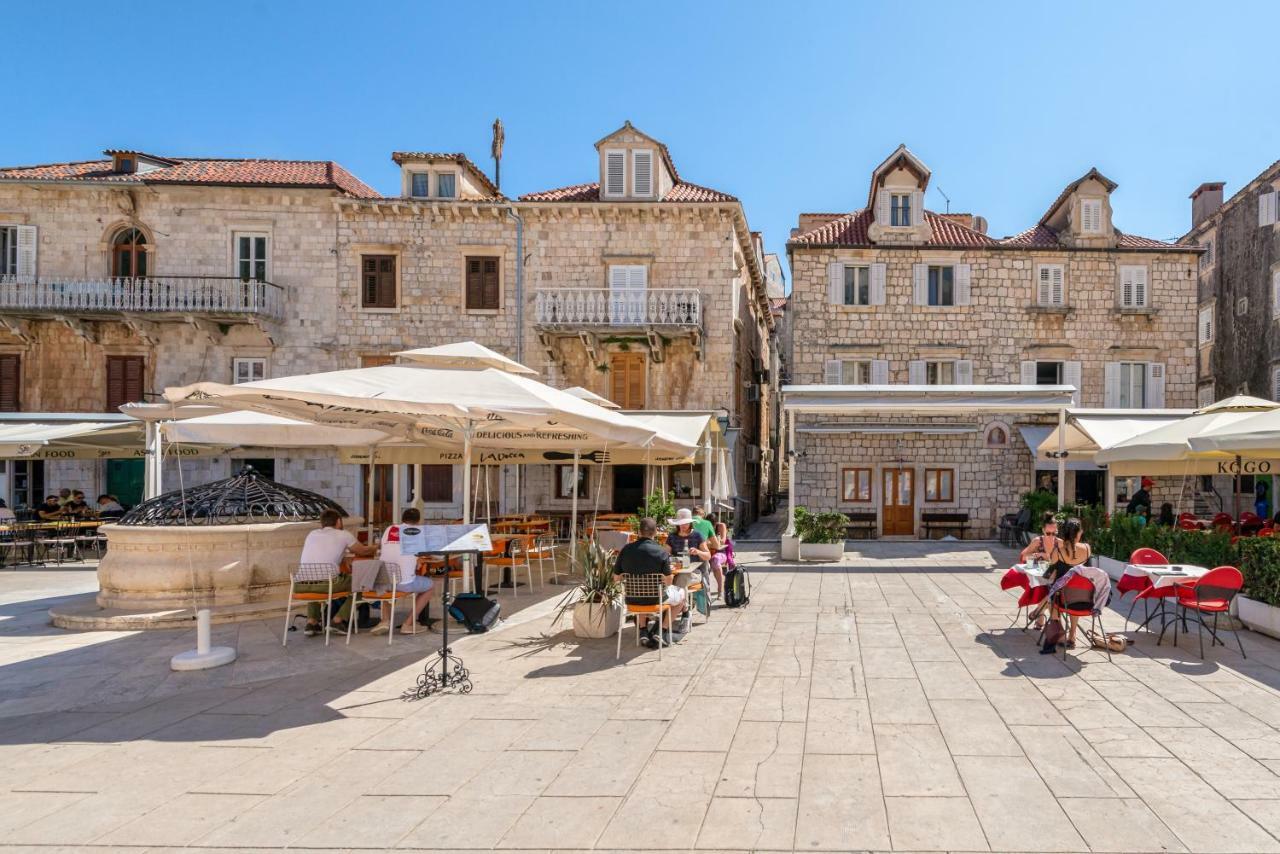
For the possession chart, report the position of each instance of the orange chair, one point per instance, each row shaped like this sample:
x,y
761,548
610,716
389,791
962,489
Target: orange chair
x,y
311,573
650,602
1211,593
515,557
388,578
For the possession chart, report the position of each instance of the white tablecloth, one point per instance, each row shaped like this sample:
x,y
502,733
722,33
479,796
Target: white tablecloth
x,y
1035,577
1166,576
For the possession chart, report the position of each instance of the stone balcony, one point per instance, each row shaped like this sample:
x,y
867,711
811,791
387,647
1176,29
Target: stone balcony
x,y
594,314
204,301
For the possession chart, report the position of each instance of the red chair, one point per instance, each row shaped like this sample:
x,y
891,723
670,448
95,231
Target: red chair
x,y
1189,525
1148,557
1267,532
1223,520
1211,593
1140,557
1030,597
1014,578
1075,599
1186,514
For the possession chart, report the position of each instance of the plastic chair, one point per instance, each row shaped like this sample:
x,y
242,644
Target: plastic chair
x,y
1030,597
1211,593
1075,599
644,588
544,551
310,573
1223,520
1148,557
388,576
1129,583
1188,525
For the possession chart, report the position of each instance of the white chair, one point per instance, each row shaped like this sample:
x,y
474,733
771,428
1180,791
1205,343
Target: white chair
x,y
645,588
388,579
544,551
311,573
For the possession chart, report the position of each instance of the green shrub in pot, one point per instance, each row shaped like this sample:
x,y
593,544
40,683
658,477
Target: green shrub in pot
x,y
825,527
1260,565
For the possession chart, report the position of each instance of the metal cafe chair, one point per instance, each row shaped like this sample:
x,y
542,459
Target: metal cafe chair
x,y
310,573
385,590
651,592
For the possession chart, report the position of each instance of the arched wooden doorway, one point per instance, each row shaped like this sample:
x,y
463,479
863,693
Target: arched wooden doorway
x,y
129,254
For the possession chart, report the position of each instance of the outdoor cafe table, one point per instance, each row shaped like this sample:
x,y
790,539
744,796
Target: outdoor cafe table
x,y
1163,577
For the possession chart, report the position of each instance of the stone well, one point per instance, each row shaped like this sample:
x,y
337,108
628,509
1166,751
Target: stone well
x,y
228,546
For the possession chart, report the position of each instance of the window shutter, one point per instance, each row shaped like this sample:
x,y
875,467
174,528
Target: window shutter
x,y
1275,384
615,171
437,483
618,277
1071,377
920,284
1044,286
831,372
1111,377
27,245
882,206
1140,287
917,208
835,283
489,283
1267,208
879,372
642,173
1028,373
124,380
1206,325
963,276
915,372
10,382
1057,295
964,372
1126,287
877,284
1275,294
1155,385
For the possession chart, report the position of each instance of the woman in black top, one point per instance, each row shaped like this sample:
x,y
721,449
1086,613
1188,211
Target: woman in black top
x,y
1067,554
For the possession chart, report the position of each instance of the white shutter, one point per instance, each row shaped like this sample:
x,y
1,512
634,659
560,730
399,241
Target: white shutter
x,y
1155,385
1028,373
1058,296
917,208
879,372
916,373
1071,376
615,173
1267,208
964,372
1206,325
920,284
1275,383
1111,376
27,244
618,276
877,284
963,276
1275,294
831,372
1140,287
1044,286
642,173
1126,287
835,283
882,206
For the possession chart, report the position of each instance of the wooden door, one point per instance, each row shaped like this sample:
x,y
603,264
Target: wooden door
x,y
626,375
382,513
898,502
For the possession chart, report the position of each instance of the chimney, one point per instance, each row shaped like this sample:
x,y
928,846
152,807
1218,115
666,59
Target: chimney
x,y
1205,201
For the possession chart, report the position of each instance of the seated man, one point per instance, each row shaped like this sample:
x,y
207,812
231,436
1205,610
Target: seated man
x,y
6,512
109,508
646,557
409,581
329,545
77,506
50,510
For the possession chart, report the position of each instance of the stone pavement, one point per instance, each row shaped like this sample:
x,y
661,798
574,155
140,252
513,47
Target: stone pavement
x,y
882,704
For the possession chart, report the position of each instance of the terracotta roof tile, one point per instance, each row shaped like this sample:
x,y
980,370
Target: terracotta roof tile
x,y
851,230
1043,237
681,192
216,172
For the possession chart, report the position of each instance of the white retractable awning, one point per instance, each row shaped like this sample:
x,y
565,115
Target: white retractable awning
x,y
925,399
1038,440
1091,430
71,440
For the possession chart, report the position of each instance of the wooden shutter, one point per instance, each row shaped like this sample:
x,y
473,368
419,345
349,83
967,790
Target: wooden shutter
x,y
1028,373
963,277
378,281
1206,325
437,483
917,208
482,282
920,284
1140,287
1071,377
27,247
835,283
833,372
882,206
124,380
916,374
10,382
877,284
627,380
642,173
615,171
964,372
1111,378
1155,385
879,372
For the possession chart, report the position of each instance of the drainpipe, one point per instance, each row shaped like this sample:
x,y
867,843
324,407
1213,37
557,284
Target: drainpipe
x,y
511,212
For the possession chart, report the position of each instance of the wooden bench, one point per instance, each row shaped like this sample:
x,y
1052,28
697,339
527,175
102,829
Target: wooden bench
x,y
862,525
944,522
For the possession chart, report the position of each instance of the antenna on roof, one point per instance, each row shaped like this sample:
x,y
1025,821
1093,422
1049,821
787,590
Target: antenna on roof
x,y
944,195
499,137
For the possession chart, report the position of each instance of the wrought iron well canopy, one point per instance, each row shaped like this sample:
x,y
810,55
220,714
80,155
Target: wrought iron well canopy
x,y
244,499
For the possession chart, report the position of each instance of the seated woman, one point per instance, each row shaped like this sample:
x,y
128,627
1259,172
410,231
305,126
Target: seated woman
x,y
1167,519
722,558
1068,553
1040,546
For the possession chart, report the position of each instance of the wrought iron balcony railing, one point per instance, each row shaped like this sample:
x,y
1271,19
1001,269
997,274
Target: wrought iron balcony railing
x,y
220,296
621,307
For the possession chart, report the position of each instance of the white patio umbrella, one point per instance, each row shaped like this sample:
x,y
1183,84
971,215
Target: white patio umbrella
x,y
429,405
1168,450
464,354
586,394
1255,436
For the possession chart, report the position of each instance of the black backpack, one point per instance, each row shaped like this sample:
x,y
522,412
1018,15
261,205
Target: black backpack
x,y
737,588
475,612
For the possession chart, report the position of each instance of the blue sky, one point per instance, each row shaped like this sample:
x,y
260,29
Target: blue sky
x,y
787,105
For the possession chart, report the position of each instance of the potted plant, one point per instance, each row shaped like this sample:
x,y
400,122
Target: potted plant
x,y
789,548
596,603
822,535
1259,605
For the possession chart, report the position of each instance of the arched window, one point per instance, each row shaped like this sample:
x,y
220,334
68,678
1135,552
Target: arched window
x,y
129,254
997,436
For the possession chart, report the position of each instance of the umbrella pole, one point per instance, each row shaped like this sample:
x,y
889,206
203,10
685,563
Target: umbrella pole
x,y
466,501
369,511
1235,495
573,515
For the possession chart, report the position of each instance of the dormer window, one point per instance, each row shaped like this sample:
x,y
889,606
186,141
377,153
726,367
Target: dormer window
x,y
124,164
1091,216
446,185
420,183
900,209
615,173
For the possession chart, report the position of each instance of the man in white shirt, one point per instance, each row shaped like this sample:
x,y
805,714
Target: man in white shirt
x,y
408,580
329,545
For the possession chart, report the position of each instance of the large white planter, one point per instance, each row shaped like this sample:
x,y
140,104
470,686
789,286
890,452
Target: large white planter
x,y
826,552
1258,616
1111,566
595,620
790,548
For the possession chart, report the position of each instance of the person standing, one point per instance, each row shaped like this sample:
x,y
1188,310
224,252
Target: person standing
x,y
1141,498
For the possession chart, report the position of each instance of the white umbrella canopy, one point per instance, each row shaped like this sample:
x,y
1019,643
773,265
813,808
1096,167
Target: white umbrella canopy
x,y
588,395
1258,435
1172,443
467,355
261,429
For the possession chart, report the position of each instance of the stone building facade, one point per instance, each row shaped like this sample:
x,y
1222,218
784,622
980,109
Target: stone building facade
x,y
124,275
893,293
